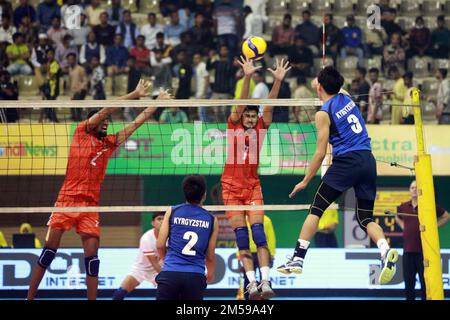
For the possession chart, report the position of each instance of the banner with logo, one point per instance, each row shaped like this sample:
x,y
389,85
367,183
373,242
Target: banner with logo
x,y
351,269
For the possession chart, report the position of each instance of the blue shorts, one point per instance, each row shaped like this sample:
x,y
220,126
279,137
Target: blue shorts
x,y
354,169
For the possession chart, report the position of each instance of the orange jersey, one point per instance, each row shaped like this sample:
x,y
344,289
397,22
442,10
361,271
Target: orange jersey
x,y
86,166
244,146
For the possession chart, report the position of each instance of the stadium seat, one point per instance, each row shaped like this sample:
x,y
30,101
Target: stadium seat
x,y
439,64
374,62
272,23
120,85
149,6
319,7
298,6
419,66
28,86
340,21
140,19
277,6
318,63
130,5
407,23
430,87
410,8
430,23
109,86
347,66
345,7
432,7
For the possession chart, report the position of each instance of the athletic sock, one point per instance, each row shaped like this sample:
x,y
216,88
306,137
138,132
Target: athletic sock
x,y
383,246
119,294
265,271
250,276
300,249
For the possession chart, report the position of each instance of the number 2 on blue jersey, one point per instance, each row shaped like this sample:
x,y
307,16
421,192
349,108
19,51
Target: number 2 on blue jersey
x,y
193,238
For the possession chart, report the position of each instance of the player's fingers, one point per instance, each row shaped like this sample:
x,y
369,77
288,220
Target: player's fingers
x,y
286,65
257,67
271,70
281,62
288,68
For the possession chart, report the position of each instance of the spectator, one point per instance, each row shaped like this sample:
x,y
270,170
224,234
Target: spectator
x,y
90,49
440,40
80,34
63,10
389,24
183,71
93,12
56,33
7,30
261,90
45,12
258,7
398,95
6,8
161,76
166,49
394,54
281,114
352,40
374,40
29,31
201,77
408,109
24,10
223,86
19,56
115,13
375,112
26,228
226,25
63,50
134,75
419,39
50,89
442,100
325,236
412,244
104,32
282,36
150,30
142,56
116,57
186,46
303,114
128,30
201,35
78,83
168,6
97,81
333,37
309,31
8,91
300,58
173,115
173,31
362,94
186,17
39,57
254,23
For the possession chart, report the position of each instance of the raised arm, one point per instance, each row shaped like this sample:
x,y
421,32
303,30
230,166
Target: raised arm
x,y
278,76
140,119
249,69
163,235
323,134
210,252
140,92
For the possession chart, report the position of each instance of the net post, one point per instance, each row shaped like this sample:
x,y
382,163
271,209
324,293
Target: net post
x,y
427,208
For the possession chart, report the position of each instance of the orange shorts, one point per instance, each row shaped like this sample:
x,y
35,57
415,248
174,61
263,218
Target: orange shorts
x,y
233,195
85,222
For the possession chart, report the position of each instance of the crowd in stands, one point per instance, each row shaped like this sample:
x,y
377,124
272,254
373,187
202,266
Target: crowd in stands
x,y
191,47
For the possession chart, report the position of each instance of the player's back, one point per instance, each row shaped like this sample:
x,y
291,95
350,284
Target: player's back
x,y
190,229
348,130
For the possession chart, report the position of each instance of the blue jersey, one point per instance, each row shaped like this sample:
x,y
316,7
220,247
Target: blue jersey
x,y
190,229
348,131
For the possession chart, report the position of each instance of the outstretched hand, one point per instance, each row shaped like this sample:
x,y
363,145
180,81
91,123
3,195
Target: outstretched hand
x,y
164,94
247,66
142,89
298,187
281,69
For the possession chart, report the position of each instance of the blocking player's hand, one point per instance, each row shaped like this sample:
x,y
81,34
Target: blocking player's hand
x,y
209,277
281,69
142,88
298,187
164,95
247,66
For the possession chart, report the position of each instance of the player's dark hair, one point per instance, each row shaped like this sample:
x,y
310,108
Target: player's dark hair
x,y
331,80
194,187
408,75
252,108
156,215
362,70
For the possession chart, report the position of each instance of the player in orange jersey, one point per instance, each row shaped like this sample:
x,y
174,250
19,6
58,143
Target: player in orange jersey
x,y
240,180
89,153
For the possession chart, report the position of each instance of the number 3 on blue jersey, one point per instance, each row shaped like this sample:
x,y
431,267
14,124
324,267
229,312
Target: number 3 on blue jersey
x,y
193,238
356,127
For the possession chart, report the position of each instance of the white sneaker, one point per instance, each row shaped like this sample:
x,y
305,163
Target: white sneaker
x,y
266,290
252,289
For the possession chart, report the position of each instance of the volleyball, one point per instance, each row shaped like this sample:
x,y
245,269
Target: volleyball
x,y
254,48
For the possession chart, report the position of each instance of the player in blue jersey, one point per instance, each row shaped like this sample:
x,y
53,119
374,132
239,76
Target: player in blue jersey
x,y
339,122
191,234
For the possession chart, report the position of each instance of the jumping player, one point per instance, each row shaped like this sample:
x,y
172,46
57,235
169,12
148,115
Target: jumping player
x,y
89,153
240,180
340,123
191,234
147,264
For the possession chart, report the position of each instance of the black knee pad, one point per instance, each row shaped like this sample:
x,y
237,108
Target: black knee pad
x,y
325,195
92,265
46,257
364,212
